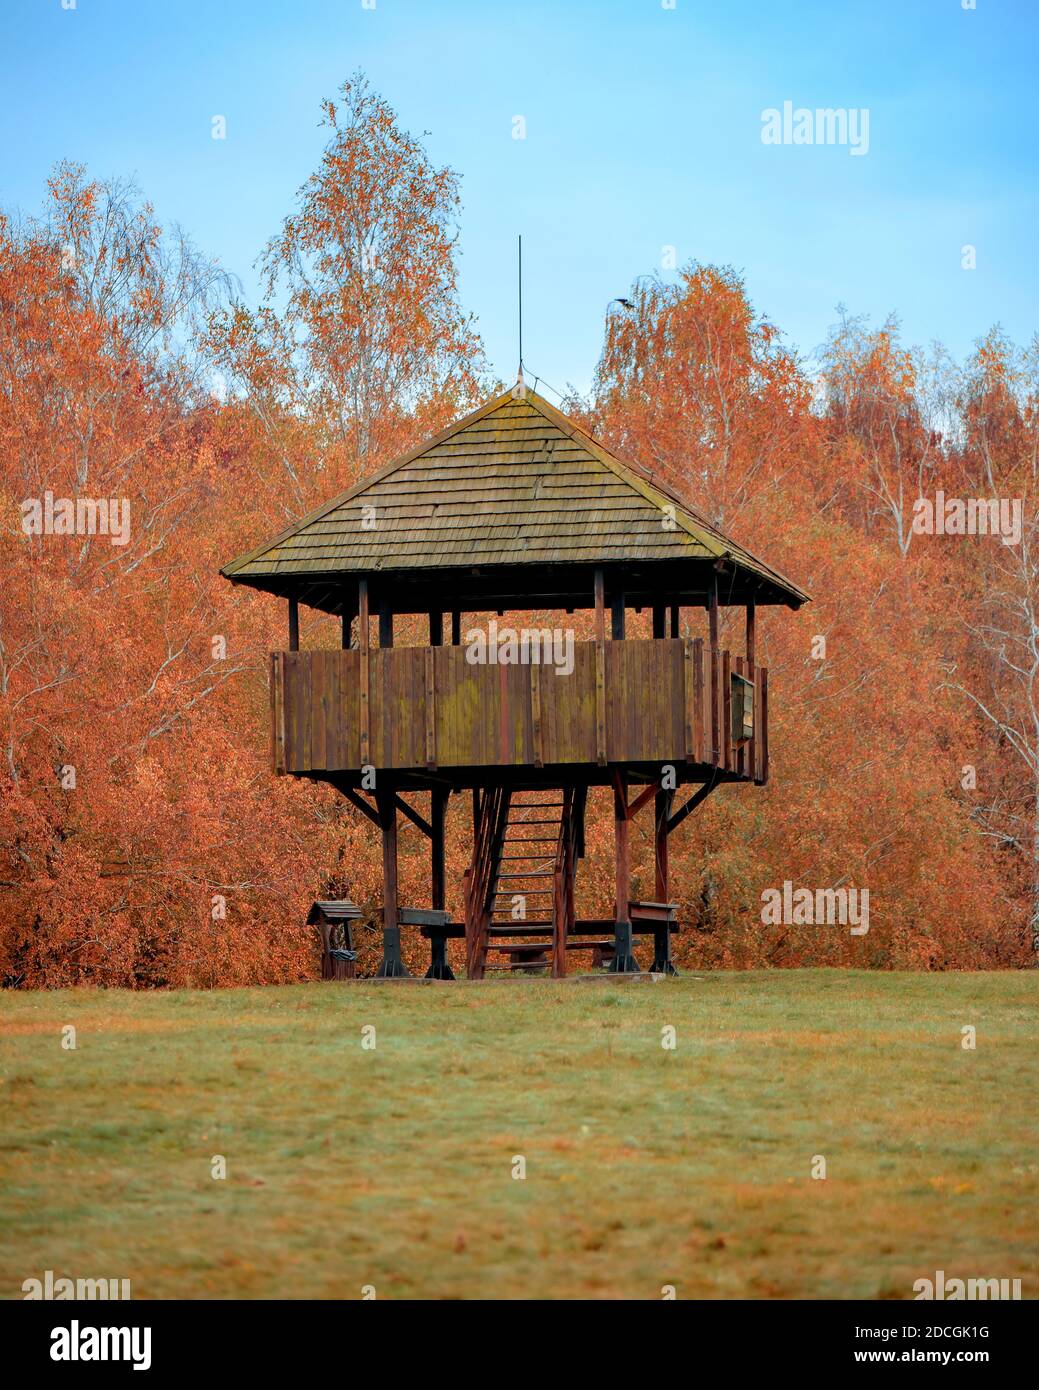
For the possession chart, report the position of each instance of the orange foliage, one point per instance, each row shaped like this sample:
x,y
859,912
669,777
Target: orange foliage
x,y
870,741
143,840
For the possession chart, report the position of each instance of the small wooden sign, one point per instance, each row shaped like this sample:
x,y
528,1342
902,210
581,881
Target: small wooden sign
x,y
742,708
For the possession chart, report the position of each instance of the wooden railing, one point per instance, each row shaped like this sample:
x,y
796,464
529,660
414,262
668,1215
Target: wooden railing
x,y
629,701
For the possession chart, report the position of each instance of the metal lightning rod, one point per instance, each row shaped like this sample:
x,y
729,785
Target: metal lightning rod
x,y
519,241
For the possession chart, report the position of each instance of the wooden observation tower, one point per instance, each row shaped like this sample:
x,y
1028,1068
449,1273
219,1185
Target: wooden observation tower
x,y
515,510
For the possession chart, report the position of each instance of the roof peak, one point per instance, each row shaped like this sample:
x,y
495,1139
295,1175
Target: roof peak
x,y
535,488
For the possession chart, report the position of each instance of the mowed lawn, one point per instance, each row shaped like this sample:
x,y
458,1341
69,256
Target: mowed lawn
x,y
645,1167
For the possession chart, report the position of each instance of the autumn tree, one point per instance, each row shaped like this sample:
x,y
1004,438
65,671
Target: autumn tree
x,y
143,840
125,782
701,391
867,744
885,409
997,577
360,329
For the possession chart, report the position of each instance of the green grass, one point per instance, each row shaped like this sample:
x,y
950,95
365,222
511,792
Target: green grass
x,y
645,1167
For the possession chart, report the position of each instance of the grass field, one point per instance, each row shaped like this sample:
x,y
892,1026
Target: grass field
x,y
645,1167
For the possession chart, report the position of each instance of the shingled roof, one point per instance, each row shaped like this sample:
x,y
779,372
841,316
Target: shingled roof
x,y
516,483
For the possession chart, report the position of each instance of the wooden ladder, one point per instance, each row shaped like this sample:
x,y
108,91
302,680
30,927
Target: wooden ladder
x,y
525,855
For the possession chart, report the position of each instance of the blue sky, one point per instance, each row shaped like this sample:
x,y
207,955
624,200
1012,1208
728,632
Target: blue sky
x,y
643,131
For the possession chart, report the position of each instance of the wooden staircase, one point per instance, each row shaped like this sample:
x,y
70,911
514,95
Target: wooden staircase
x,y
520,886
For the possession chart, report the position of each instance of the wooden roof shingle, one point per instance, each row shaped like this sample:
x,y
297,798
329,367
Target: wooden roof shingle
x,y
514,483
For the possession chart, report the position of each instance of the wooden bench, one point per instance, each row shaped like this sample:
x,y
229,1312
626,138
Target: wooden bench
x,y
436,928
647,919
660,919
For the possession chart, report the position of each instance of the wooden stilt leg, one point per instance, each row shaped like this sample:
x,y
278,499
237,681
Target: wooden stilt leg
x,y
662,964
624,961
392,966
438,816
559,924
438,966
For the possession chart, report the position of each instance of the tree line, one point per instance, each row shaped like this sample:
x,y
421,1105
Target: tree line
x,y
143,839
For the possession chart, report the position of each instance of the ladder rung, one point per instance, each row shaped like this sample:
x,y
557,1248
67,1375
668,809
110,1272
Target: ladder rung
x,y
532,948
534,837
521,929
519,965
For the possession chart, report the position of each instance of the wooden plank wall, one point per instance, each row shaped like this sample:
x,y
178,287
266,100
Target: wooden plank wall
x,y
645,701
428,707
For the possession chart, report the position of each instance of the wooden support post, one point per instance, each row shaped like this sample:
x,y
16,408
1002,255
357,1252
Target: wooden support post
x,y
363,616
659,620
662,963
600,609
436,629
456,629
676,614
385,625
622,843
293,625
392,966
362,680
751,624
740,753
438,966
563,883
600,669
662,805
347,626
712,610
624,962
751,759
438,871
559,920
617,616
